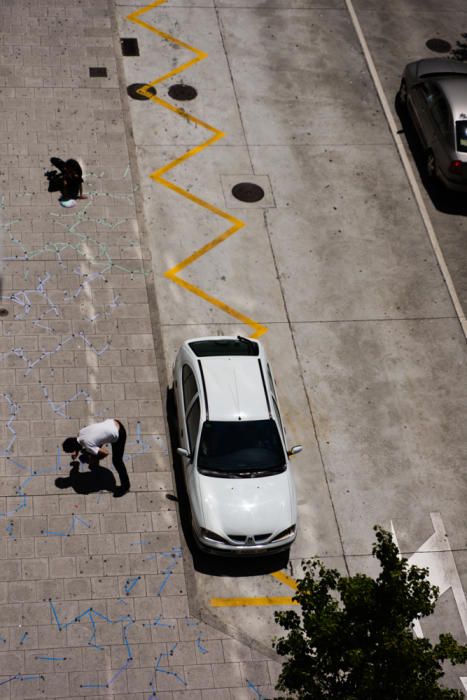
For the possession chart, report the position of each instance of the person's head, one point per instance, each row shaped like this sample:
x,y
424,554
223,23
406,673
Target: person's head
x,y
63,482
71,444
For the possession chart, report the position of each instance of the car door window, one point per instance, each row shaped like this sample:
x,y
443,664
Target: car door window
x,y
442,115
190,388
271,383
274,402
428,93
192,424
278,417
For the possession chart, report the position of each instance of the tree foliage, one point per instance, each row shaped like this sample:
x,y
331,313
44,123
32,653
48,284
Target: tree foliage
x,y
354,638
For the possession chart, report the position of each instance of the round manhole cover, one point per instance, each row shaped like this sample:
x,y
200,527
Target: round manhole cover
x,y
248,192
132,90
3,312
438,45
182,92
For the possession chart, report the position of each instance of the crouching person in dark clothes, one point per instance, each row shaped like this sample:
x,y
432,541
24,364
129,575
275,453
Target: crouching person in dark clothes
x,y
90,443
68,181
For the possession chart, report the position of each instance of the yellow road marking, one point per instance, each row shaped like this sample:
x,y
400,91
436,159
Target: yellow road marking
x,y
264,600
245,602
284,578
172,274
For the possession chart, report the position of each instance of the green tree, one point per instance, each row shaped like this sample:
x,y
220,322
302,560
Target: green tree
x,y
354,638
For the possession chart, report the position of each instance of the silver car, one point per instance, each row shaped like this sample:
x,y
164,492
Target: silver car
x,y
434,92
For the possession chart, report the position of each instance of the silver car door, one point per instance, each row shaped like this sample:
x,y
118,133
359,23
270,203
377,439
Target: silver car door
x,y
443,132
420,99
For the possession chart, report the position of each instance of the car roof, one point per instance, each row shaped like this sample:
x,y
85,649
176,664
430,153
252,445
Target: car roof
x,y
235,388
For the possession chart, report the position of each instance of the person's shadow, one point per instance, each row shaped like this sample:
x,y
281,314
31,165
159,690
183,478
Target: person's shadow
x,y
95,479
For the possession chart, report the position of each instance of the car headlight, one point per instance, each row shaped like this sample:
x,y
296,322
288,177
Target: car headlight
x,y
209,535
285,533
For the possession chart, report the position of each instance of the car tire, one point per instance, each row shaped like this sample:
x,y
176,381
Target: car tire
x,y
430,165
402,94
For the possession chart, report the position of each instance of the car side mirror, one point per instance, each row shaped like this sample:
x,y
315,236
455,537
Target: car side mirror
x,y
295,450
184,453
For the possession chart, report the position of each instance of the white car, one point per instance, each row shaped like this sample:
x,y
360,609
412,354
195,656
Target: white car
x,y
232,443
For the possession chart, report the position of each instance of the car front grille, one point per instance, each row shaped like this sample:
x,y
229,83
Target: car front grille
x,y
251,539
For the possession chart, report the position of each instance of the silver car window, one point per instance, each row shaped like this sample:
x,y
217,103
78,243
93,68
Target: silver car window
x,y
442,115
429,92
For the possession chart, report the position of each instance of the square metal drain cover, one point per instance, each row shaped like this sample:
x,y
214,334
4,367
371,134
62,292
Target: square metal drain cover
x,y
98,72
129,47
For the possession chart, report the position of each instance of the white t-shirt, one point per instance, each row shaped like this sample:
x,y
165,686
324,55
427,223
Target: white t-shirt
x,y
97,434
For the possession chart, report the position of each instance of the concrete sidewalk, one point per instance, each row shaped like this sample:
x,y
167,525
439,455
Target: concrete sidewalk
x,y
92,588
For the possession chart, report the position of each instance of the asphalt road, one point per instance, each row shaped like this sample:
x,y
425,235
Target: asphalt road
x,y
335,262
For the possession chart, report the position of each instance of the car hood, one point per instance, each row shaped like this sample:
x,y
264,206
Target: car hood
x,y
248,506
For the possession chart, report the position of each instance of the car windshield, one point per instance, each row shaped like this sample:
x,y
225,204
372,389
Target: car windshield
x,y
229,448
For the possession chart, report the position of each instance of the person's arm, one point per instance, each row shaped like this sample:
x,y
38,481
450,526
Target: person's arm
x,y
58,163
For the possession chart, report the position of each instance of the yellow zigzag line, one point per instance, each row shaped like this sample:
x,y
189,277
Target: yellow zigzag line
x,y
157,175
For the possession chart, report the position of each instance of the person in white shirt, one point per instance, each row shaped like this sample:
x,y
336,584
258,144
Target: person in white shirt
x,y
90,443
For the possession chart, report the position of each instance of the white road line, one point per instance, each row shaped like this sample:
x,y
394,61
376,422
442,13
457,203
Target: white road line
x,y
436,555
408,169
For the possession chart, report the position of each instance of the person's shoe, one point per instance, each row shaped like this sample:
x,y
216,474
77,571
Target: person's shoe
x,y
120,491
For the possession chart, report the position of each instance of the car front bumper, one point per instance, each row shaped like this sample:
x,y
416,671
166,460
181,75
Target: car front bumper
x,y
226,549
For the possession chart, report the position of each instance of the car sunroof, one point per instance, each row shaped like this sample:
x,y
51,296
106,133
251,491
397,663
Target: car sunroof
x,y
225,346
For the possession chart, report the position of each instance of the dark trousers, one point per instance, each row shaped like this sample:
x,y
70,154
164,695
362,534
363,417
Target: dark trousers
x,y
118,449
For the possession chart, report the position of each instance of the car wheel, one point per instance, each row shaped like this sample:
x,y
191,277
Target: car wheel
x,y
430,165
402,94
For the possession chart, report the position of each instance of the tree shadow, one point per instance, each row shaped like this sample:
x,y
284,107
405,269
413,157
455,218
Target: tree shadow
x,y
460,52
204,562
444,200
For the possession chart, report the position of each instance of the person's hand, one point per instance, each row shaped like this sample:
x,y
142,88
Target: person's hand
x,y
74,455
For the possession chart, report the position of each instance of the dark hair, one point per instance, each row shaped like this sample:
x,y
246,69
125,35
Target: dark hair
x,y
63,482
71,444
73,168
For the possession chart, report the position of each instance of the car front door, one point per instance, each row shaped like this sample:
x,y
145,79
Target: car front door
x,y
188,392
443,132
189,429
